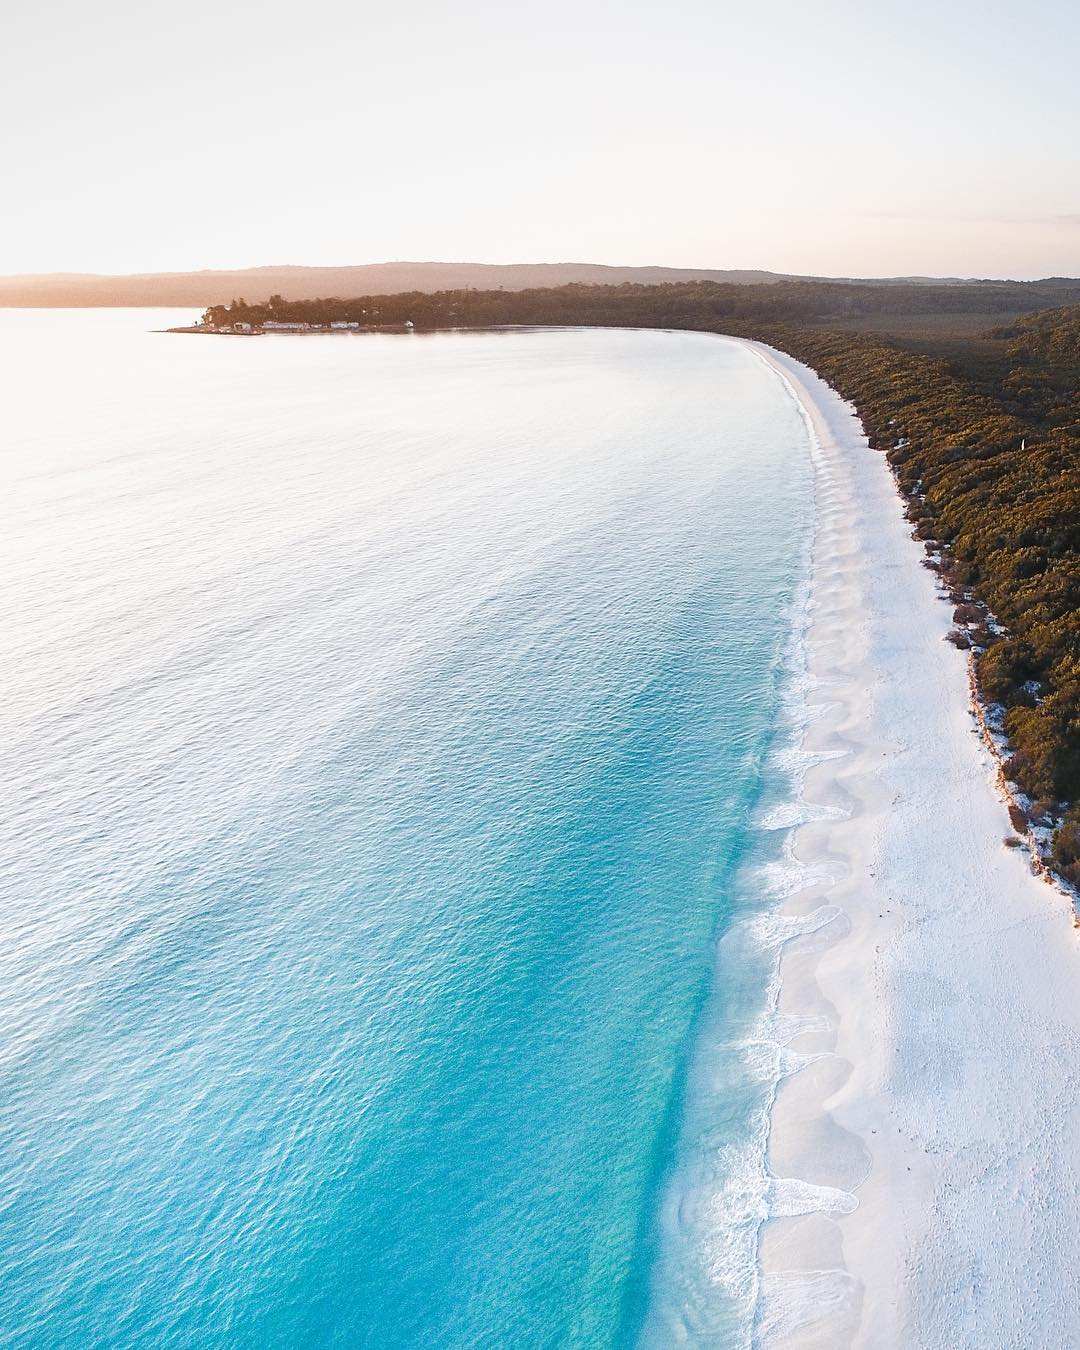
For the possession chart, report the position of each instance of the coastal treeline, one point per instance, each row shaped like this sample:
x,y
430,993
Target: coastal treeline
x,y
700,305
982,429
992,480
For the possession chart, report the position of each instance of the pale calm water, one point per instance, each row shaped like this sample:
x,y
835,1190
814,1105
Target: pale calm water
x,y
384,723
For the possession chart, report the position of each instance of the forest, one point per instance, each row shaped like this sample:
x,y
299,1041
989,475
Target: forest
x,y
701,304
973,394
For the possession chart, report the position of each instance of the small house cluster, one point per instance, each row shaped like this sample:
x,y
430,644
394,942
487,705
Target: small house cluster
x,y
289,326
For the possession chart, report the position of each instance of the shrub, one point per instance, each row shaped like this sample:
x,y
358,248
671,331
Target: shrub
x,y
1066,851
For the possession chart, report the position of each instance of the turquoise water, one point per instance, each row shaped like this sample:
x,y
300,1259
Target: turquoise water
x,y
383,724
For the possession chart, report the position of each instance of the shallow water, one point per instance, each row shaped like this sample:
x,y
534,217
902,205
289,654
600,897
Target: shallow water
x,y
383,726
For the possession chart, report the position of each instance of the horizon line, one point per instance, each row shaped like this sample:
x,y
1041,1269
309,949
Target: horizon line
x,y
500,266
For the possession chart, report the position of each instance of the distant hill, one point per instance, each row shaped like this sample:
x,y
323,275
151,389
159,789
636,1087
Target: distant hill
x,y
257,284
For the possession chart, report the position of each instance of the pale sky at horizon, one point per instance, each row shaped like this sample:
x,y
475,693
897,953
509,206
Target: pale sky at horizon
x,y
836,138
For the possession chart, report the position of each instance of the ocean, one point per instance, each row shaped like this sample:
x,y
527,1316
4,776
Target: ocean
x,y
397,756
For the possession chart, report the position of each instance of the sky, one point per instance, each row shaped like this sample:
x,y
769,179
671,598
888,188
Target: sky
x,y
887,137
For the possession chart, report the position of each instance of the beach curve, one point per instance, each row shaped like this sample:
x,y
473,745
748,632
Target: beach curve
x,y
923,1190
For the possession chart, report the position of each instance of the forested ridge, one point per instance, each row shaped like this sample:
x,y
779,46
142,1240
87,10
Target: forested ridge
x,y
980,422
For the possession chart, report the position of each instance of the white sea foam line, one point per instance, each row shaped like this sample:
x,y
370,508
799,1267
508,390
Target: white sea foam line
x,y
797,761
799,1299
772,1060
790,1197
796,720
731,1212
734,1213
773,929
788,815
779,881
783,878
818,456
740,1205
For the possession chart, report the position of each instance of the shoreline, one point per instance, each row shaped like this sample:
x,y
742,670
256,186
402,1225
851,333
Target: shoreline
x,y
945,987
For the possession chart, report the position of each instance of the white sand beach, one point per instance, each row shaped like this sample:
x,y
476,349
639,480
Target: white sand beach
x,y
942,1121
